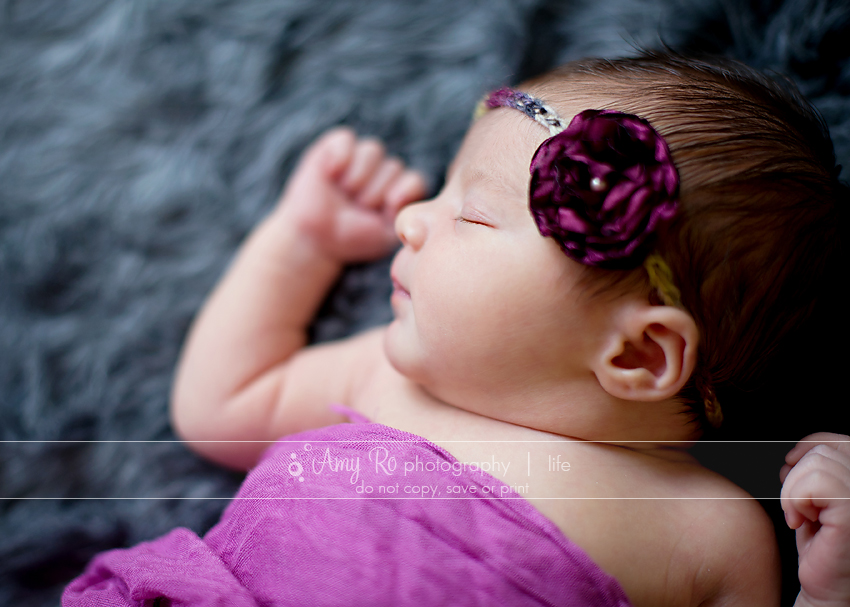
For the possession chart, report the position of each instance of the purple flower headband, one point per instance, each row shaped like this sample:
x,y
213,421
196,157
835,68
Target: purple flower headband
x,y
602,187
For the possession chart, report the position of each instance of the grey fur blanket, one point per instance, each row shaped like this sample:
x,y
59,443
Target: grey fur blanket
x,y
141,141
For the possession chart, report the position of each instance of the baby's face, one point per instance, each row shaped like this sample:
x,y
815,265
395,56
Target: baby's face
x,y
486,309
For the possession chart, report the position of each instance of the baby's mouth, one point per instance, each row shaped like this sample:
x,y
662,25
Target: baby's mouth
x,y
399,290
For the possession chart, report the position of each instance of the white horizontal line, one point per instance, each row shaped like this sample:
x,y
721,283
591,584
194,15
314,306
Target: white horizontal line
x,y
432,440
514,496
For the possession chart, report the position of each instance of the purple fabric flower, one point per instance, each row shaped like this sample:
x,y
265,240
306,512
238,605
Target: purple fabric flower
x,y
603,187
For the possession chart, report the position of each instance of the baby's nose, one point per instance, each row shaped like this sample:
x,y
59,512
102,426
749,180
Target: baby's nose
x,y
410,225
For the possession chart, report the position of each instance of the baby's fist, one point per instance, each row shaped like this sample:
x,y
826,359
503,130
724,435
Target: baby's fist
x,y
344,196
816,500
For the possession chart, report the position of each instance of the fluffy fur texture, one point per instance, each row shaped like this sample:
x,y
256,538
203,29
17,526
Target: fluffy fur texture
x,y
141,141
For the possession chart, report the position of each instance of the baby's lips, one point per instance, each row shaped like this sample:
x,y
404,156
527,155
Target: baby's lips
x,y
397,283
398,287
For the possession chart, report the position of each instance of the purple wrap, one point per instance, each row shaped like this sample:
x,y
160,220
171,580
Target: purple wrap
x,y
304,530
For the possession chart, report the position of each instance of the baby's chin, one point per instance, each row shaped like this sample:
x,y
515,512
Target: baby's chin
x,y
407,357
399,351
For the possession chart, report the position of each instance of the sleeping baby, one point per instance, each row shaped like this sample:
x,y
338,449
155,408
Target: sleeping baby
x,y
614,240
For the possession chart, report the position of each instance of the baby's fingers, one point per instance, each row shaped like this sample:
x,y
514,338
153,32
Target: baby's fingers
x,y
366,159
817,489
841,442
409,187
374,192
379,182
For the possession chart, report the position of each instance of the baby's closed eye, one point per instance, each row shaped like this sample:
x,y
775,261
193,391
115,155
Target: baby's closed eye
x,y
469,214
462,219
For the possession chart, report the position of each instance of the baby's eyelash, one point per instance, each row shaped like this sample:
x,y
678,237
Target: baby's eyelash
x,y
465,220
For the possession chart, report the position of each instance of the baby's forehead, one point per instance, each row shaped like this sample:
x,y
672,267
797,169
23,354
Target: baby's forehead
x,y
501,141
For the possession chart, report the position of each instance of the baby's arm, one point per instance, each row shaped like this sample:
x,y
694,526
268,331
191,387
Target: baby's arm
x,y
816,501
339,207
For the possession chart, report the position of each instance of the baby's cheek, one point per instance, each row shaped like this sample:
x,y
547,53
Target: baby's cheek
x,y
451,318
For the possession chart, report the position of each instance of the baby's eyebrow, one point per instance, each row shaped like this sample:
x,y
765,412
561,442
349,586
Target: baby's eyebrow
x,y
493,180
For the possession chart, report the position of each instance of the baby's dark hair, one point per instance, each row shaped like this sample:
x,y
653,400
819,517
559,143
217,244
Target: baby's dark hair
x,y
759,193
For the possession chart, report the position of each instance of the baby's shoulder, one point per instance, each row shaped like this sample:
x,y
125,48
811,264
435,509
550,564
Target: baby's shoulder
x,y
735,554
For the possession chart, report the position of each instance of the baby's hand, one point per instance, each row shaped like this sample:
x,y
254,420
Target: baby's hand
x,y
816,501
344,196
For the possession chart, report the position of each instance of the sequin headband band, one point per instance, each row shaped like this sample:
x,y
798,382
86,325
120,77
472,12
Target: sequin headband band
x,y
603,186
528,105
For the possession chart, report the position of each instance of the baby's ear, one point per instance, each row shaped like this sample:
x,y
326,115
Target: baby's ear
x,y
650,353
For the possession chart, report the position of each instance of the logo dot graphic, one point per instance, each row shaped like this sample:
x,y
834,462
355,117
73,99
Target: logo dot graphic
x,y
295,468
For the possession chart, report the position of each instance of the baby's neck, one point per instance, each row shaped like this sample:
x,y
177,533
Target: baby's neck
x,y
589,415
